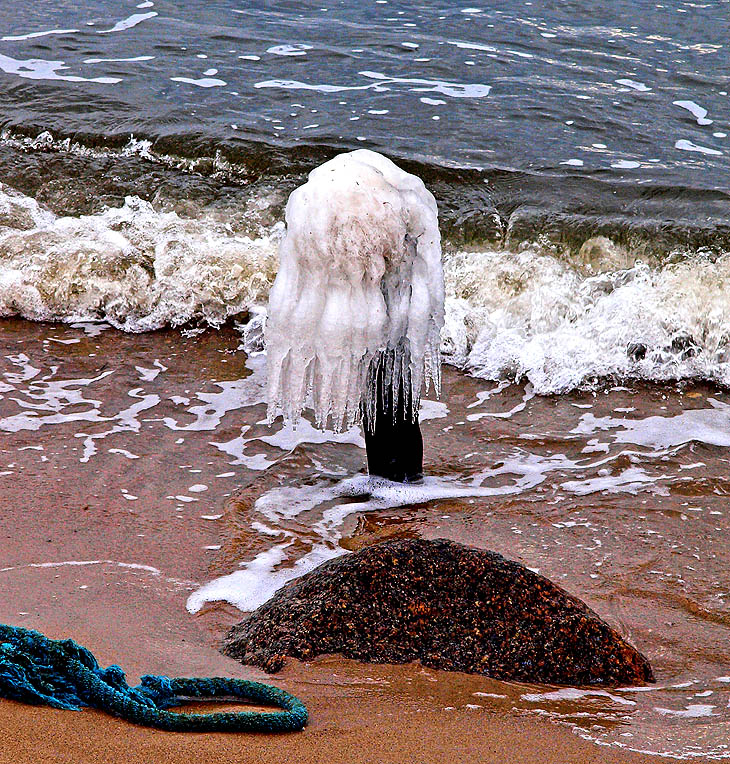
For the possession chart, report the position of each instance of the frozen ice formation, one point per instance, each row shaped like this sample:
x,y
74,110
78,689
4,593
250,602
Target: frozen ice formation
x,y
360,287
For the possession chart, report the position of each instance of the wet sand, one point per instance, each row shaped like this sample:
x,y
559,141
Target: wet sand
x,y
342,730
98,544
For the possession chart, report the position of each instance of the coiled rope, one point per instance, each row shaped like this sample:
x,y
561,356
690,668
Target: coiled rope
x,y
63,674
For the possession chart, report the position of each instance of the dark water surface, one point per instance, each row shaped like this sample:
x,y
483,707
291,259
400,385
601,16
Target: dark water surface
x,y
598,96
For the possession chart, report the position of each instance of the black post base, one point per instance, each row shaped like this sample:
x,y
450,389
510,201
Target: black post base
x,y
393,442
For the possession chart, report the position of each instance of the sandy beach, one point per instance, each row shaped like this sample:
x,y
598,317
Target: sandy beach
x,y
98,545
212,214
352,729
358,712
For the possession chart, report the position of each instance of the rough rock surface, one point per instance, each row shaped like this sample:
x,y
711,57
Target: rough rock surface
x,y
446,605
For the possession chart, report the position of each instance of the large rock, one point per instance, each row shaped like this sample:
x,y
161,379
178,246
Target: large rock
x,y
446,605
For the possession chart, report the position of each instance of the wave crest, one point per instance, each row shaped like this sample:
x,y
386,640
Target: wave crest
x,y
137,268
532,316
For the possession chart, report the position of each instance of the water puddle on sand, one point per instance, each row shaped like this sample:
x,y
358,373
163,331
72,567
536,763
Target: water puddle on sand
x,y
619,496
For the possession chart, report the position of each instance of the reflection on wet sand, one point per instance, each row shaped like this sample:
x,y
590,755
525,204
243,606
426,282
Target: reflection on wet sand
x,y
618,495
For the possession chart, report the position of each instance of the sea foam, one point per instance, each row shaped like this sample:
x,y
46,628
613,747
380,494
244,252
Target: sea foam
x,y
133,266
534,317
558,322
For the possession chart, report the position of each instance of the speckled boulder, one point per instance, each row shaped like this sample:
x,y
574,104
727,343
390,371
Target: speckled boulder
x,y
446,605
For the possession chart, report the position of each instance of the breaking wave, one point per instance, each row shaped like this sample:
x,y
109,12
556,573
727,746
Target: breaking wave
x,y
533,316
556,320
135,267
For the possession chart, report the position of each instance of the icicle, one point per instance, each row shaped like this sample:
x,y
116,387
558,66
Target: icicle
x,y
359,292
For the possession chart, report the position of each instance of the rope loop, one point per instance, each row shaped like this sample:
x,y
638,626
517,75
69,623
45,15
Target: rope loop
x,y
64,674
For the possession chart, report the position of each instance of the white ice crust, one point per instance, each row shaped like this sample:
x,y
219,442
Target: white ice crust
x,y
360,280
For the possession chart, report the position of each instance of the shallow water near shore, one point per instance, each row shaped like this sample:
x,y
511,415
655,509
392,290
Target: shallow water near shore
x,y
579,158
617,494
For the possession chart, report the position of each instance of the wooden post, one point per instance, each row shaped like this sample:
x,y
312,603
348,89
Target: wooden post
x,y
393,442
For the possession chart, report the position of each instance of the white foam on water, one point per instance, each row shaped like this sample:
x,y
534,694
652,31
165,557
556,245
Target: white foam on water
x,y
58,401
633,84
133,267
126,420
123,452
631,480
84,563
474,46
573,693
710,426
149,375
287,437
325,507
298,49
323,88
43,69
119,60
129,22
237,449
489,49
693,711
685,145
697,111
531,316
526,398
208,412
53,396
45,141
432,410
453,89
253,583
34,35
201,82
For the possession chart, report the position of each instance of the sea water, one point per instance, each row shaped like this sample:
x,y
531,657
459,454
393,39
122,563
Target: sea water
x,y
579,160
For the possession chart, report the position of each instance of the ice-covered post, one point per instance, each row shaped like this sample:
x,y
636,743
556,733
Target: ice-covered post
x,y
357,307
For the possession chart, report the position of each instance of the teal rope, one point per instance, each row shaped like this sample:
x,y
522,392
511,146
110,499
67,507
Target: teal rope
x,y
63,674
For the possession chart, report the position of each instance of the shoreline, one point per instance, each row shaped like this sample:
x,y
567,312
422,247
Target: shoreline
x,y
351,731
358,712
106,552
